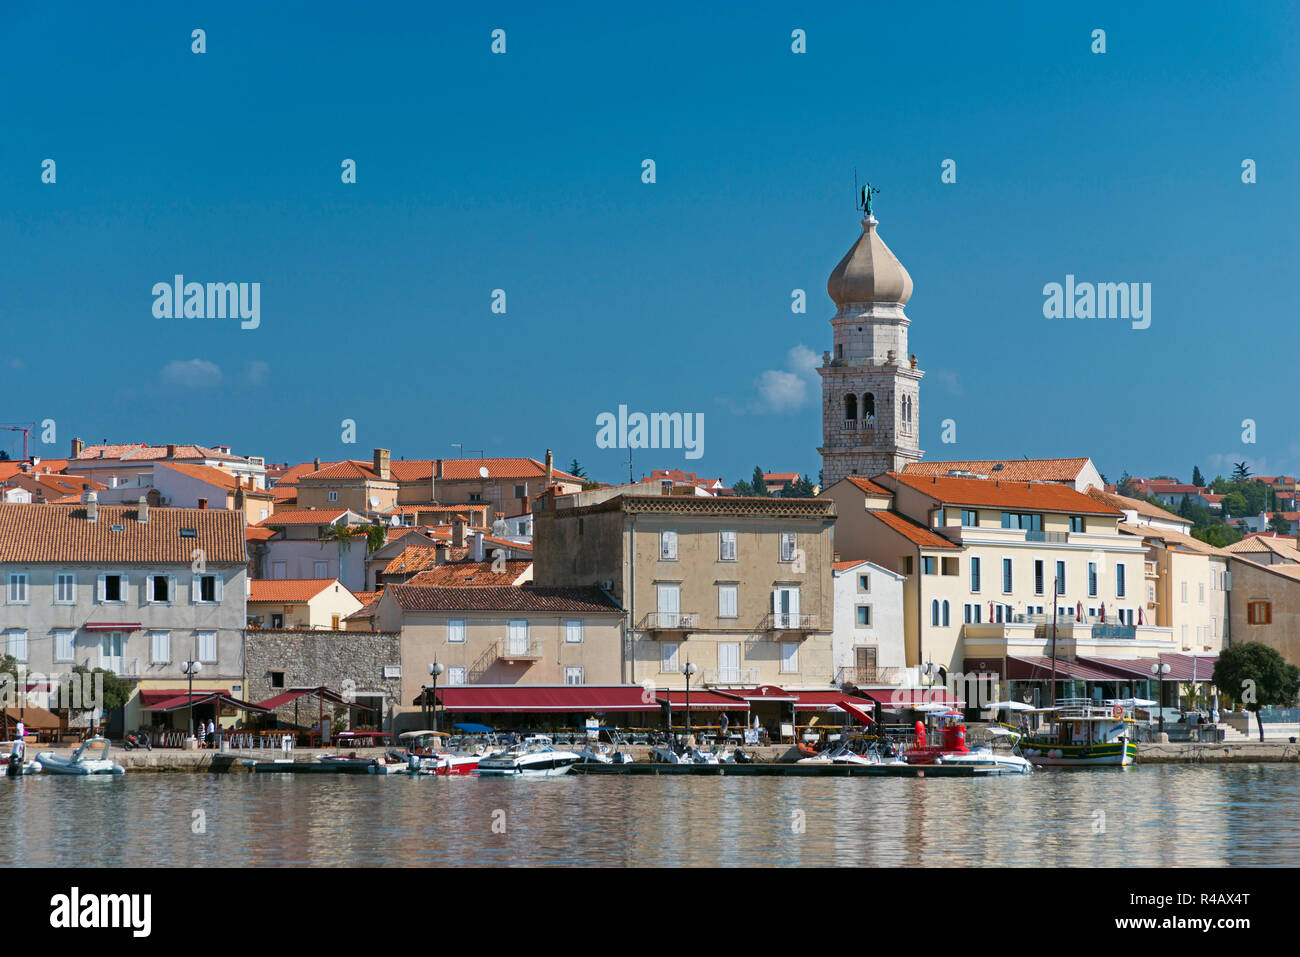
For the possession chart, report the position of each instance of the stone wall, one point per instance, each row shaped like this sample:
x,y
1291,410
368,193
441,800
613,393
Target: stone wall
x,y
343,661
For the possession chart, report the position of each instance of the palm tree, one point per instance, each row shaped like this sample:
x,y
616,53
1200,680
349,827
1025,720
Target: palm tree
x,y
1240,470
343,534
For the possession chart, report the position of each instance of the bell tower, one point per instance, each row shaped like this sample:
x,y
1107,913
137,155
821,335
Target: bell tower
x,y
870,382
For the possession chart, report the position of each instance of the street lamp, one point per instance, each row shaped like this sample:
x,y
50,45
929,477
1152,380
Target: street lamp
x,y
191,668
1160,669
435,669
688,669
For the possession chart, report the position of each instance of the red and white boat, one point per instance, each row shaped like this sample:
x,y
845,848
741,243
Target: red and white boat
x,y
425,756
945,743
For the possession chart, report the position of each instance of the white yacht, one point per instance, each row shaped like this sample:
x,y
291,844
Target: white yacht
x,y
536,757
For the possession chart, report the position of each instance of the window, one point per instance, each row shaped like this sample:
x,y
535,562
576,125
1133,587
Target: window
x,y
208,591
946,620
65,589
475,497
1259,613
974,613
573,676
940,517
970,518
905,565
1038,576
17,589
573,631
279,570
950,566
787,546
112,588
1076,523
517,636
456,631
668,546
789,657
728,601
520,491
1030,521
1060,578
1184,592
864,583
1184,633
334,622
1006,575
726,546
864,616
974,574
320,569
1119,581
63,644
927,564
1200,592
1214,627
18,645
456,675
207,647
1092,579
160,647
668,657
277,679
333,496
934,612
159,588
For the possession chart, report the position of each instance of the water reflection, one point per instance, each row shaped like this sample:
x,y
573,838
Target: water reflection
x,y
1164,816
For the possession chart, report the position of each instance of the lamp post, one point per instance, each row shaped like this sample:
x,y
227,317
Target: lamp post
x,y
1160,669
191,668
688,669
435,669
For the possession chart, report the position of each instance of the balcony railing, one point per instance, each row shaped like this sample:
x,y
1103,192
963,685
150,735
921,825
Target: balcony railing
x,y
731,676
865,424
868,676
670,621
522,651
123,667
789,621
1057,538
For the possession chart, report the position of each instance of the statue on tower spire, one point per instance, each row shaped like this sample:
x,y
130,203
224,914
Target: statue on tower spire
x,y
867,190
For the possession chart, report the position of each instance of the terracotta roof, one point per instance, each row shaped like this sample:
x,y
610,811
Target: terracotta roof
x,y
140,451
476,574
841,566
1001,493
288,589
214,476
868,486
413,558
284,494
913,531
61,533
304,516
769,506
1283,546
256,533
1115,500
1015,470
521,598
468,508
366,597
1186,542
347,469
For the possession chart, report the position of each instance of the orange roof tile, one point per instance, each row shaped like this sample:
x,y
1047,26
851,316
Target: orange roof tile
x,y
61,533
1001,493
911,530
475,574
304,516
868,486
288,590
1016,470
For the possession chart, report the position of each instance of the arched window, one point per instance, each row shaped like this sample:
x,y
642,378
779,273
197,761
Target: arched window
x,y
945,612
850,406
934,612
868,406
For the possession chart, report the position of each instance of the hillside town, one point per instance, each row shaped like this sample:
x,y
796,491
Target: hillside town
x,y
352,593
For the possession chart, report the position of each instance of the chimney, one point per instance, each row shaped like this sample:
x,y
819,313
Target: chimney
x,y
171,451
550,467
440,553
203,503
142,511
435,473
836,557
92,507
382,460
476,547
78,447
458,532
316,464
525,505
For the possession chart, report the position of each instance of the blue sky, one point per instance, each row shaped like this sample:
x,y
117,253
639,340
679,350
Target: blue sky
x,y
522,172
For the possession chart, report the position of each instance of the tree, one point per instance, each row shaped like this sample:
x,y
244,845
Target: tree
x,y
4,456
1278,523
116,690
758,483
800,488
1185,507
1197,478
1257,676
344,535
575,469
376,535
1234,503
1126,487
1240,471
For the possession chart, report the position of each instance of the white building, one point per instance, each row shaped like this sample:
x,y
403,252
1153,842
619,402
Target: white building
x,y
867,646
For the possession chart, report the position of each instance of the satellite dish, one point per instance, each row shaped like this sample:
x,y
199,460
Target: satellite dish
x,y
482,471
394,520
374,501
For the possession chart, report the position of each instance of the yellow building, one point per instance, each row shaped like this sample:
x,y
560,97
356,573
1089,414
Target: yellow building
x,y
315,603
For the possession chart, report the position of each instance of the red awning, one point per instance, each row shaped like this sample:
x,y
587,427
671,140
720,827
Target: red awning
x,y
765,693
1040,669
856,711
112,626
819,700
899,698
293,694
702,699
547,698
211,697
152,696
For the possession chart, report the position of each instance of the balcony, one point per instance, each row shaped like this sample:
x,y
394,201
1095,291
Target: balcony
x,y
731,676
779,622
670,621
1054,538
122,667
868,676
518,652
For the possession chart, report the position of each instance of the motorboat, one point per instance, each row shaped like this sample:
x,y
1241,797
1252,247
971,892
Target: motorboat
x,y
606,752
536,757
1082,732
425,754
946,745
13,759
91,758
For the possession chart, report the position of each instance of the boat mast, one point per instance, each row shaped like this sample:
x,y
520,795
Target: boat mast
x,y
1051,693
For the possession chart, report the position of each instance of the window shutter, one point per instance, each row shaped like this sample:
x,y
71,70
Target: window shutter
x,y
217,583
126,589
196,589
148,588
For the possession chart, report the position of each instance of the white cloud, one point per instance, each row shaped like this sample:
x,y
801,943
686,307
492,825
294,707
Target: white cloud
x,y
950,380
191,374
257,372
784,390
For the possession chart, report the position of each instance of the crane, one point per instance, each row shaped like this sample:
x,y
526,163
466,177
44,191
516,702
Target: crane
x,y
24,429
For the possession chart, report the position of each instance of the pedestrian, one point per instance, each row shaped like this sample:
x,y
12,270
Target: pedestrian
x,y
724,726
212,733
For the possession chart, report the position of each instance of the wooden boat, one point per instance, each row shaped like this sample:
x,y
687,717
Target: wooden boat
x,y
1081,732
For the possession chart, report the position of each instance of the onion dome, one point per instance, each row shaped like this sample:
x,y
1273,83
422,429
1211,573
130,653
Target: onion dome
x,y
869,272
